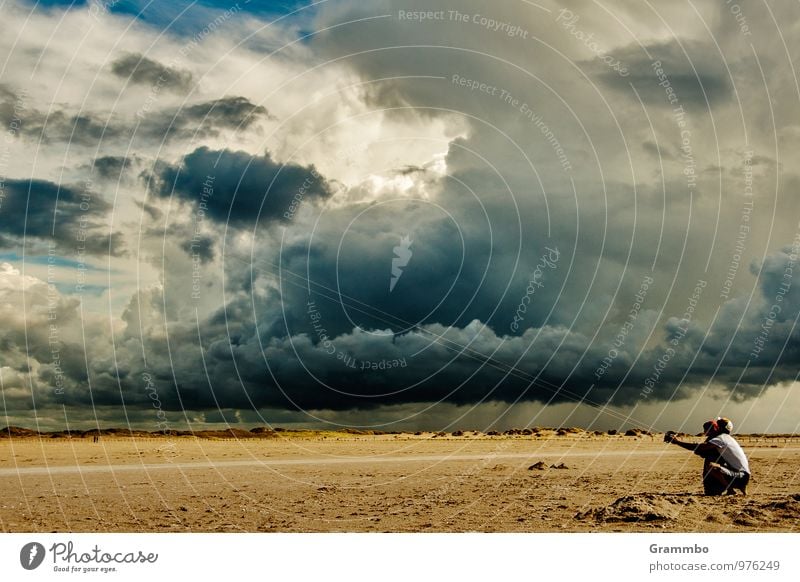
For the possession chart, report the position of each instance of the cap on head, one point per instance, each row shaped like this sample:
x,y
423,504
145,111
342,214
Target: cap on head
x,y
724,425
719,425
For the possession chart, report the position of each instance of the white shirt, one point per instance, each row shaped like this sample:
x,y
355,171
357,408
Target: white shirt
x,y
731,452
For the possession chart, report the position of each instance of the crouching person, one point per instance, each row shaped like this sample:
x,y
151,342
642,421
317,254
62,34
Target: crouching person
x,y
725,466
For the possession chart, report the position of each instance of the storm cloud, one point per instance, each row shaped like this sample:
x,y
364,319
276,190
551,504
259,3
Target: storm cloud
x,y
204,120
138,69
241,188
673,73
66,216
398,218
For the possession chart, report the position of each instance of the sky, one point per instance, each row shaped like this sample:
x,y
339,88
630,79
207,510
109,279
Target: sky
x,y
399,215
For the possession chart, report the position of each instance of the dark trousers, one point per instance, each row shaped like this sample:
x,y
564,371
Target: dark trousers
x,y
714,486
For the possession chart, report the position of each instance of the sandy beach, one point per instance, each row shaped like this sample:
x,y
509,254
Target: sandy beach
x,y
336,482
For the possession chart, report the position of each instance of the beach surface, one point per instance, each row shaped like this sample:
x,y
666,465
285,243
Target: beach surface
x,y
338,482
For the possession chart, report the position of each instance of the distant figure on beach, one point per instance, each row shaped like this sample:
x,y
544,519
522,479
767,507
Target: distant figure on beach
x,y
725,466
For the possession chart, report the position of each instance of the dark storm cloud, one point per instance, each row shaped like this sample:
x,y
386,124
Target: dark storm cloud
x,y
192,121
457,365
54,126
140,70
470,363
113,167
199,120
266,342
63,127
240,188
49,212
202,247
202,120
694,71
84,129
232,361
227,112
450,279
12,107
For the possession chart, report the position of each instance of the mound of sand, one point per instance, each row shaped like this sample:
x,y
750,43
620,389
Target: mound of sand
x,y
758,513
542,466
640,507
734,510
790,508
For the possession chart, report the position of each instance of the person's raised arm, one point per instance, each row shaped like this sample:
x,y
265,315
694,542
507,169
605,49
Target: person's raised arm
x,y
702,449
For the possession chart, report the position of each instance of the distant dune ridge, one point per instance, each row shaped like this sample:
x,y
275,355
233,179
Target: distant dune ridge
x,y
261,432
19,432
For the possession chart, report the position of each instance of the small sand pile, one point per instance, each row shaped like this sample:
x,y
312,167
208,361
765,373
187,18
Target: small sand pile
x,y
640,507
756,513
790,508
541,466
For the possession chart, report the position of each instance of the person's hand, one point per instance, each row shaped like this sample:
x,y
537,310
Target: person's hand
x,y
669,436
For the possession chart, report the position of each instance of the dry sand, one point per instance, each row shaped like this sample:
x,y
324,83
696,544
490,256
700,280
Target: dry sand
x,y
398,483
